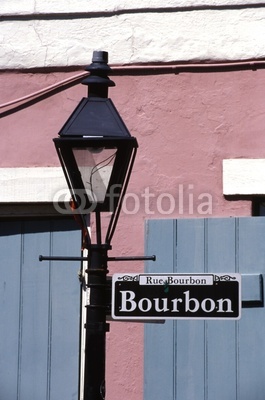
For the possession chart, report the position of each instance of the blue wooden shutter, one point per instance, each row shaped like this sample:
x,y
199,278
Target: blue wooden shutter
x,y
206,360
39,311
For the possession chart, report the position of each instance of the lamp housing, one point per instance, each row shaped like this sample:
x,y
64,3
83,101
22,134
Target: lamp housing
x,y
95,148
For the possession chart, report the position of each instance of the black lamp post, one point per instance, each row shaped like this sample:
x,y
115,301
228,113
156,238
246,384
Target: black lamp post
x,y
96,152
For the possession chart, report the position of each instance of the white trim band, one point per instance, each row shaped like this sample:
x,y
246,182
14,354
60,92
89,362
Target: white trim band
x,y
244,176
31,185
184,36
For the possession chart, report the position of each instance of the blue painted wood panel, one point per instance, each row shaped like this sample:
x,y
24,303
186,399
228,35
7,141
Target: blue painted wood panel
x,y
205,360
39,310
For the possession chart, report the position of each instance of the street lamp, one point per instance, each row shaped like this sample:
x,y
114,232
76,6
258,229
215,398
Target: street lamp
x,y
96,152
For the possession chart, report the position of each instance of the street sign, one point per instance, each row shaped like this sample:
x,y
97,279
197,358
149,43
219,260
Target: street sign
x,y
176,296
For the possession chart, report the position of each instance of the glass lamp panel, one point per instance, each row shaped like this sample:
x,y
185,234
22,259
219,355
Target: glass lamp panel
x,y
95,166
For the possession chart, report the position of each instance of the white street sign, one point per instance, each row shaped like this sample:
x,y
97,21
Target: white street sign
x,y
176,296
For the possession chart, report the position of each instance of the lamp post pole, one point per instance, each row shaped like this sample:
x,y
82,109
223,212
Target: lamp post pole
x,y
96,326
96,307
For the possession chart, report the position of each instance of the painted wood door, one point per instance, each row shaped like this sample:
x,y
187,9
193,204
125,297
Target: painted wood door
x,y
39,311
208,360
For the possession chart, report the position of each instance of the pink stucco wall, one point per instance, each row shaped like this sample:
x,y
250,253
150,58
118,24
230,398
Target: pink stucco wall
x,y
186,124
